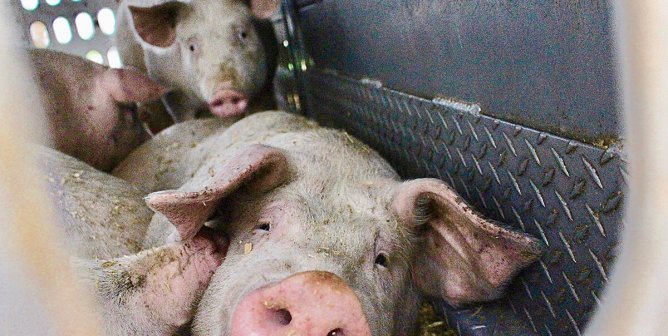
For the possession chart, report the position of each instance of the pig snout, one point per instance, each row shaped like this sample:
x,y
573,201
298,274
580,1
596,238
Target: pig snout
x,y
306,304
228,103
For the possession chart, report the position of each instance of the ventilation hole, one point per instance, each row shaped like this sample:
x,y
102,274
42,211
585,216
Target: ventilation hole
x,y
106,20
282,317
30,5
95,56
336,332
53,2
114,58
39,34
85,26
62,30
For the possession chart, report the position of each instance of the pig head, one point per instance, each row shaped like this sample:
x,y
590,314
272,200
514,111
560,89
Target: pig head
x,y
325,243
91,110
217,54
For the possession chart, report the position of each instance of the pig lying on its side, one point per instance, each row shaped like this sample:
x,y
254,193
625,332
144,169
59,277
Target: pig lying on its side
x,y
325,238
217,55
91,110
148,292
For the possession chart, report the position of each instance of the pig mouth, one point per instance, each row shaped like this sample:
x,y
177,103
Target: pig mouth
x,y
228,103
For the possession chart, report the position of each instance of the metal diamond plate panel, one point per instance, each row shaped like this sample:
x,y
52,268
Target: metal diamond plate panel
x,y
567,193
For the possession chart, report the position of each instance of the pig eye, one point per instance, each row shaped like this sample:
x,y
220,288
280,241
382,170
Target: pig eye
x,y
266,227
382,259
242,35
192,47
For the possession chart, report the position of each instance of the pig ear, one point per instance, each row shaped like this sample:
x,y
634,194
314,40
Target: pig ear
x,y
125,85
466,258
156,25
263,9
258,168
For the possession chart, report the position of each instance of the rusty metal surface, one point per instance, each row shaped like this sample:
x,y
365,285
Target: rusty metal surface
x,y
67,9
567,193
544,64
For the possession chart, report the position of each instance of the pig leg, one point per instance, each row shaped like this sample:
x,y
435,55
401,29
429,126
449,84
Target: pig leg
x,y
154,292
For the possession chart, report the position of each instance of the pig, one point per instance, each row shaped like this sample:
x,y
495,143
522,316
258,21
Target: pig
x,y
325,239
91,110
140,292
219,56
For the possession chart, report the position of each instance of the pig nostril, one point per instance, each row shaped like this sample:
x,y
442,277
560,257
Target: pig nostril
x,y
336,332
282,316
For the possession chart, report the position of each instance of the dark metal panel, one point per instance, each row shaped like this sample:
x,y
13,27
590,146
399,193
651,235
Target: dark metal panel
x,y
544,64
565,192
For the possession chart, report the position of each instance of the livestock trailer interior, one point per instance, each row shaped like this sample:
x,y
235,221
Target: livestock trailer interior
x,y
513,104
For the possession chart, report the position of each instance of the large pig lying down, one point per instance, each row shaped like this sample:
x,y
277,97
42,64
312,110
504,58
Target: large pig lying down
x,y
91,110
148,292
325,238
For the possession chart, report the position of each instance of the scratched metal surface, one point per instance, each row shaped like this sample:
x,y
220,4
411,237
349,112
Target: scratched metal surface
x,y
68,9
565,192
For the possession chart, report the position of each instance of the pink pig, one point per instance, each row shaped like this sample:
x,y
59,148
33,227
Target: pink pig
x,y
91,110
325,239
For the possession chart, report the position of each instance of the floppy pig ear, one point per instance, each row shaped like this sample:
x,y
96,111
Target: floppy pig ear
x,y
467,258
156,25
125,85
263,9
259,168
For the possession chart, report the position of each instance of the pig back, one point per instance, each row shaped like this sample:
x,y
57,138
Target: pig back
x,y
101,216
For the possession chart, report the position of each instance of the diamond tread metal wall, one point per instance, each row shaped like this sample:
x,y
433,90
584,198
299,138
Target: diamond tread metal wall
x,y
565,192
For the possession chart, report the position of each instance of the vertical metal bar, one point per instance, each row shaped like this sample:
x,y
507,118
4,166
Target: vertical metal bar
x,y
298,58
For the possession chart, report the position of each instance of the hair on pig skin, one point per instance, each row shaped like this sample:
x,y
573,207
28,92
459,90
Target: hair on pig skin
x,y
219,56
299,203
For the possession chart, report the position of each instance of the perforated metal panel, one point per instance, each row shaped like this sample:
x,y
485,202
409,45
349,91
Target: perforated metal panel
x,y
100,41
565,192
